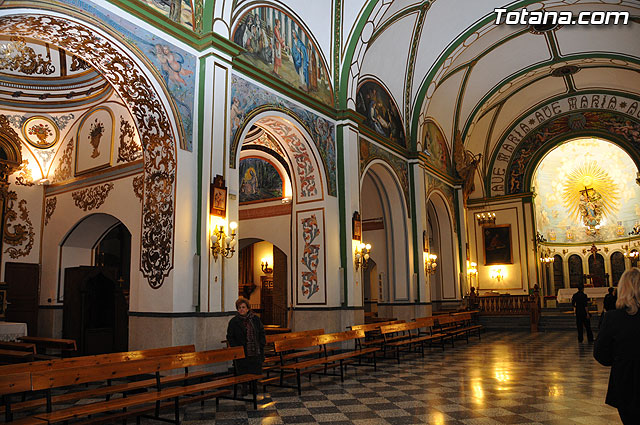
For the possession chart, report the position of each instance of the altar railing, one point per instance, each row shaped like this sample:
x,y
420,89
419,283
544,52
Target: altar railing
x,y
504,304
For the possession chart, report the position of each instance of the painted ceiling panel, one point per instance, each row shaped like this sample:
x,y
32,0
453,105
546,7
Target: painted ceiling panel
x,y
477,139
386,61
442,109
622,39
351,12
500,64
397,6
610,78
316,15
484,39
442,25
525,100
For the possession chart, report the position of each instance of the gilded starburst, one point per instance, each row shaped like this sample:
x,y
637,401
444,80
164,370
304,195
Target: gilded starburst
x,y
585,179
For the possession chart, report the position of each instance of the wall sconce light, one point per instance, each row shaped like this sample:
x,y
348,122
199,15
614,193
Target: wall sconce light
x,y
628,253
362,256
472,268
222,244
486,218
430,263
546,256
496,274
265,266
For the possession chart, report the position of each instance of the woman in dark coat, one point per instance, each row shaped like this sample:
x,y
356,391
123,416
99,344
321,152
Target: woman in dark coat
x,y
618,346
245,329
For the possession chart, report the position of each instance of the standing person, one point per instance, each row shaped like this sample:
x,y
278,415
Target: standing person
x,y
618,346
278,44
581,304
245,329
609,304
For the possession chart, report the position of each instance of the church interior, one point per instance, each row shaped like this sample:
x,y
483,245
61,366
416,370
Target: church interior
x,y
334,162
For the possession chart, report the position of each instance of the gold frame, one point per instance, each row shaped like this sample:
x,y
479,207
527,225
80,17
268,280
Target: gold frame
x,y
48,120
80,126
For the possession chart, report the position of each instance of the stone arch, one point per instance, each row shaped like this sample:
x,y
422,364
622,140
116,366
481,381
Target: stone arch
x,y
391,248
440,214
148,109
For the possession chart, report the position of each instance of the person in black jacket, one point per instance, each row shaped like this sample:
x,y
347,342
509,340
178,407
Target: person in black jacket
x,y
609,304
581,303
245,329
618,346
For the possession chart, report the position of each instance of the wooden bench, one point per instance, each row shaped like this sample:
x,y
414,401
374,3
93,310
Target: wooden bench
x,y
158,395
15,356
65,346
322,364
91,361
467,323
407,336
17,383
452,327
372,333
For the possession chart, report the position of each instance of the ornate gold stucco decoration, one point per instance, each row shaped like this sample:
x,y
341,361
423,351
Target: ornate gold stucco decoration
x,y
17,56
49,208
128,150
64,171
151,120
91,197
78,64
138,187
17,233
25,178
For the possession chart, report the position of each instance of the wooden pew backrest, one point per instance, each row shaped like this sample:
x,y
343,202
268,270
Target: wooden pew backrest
x,y
15,383
292,335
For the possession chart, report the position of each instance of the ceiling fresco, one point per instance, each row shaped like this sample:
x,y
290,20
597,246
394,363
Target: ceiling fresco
x,y
586,191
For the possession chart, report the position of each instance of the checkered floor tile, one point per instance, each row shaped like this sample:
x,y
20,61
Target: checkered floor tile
x,y
507,378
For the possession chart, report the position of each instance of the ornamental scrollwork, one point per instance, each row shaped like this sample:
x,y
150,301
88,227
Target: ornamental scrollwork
x,y
18,229
151,120
138,187
91,197
25,178
49,208
128,150
17,56
64,171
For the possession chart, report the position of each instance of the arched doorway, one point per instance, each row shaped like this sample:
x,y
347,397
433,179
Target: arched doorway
x,y
558,274
262,279
617,267
385,227
441,242
94,273
596,270
575,271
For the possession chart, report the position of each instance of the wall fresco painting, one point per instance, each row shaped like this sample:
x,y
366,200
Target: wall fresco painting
x,y
311,258
259,181
380,112
247,97
435,145
275,43
174,65
180,11
94,140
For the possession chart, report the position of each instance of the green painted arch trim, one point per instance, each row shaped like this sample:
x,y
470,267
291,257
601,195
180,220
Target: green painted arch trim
x,y
529,111
443,57
534,67
561,139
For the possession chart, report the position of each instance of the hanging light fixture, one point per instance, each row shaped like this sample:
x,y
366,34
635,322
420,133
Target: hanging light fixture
x,y
486,218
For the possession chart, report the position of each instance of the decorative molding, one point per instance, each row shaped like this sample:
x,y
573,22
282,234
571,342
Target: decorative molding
x,y
49,208
128,150
25,178
17,233
17,56
129,80
138,187
64,171
91,197
262,212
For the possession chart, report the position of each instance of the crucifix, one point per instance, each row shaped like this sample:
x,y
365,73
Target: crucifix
x,y
593,250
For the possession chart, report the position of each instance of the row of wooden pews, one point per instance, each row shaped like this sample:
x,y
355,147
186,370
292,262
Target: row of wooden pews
x,y
118,378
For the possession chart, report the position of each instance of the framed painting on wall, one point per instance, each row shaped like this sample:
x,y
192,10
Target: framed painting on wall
x,y
218,195
497,244
94,140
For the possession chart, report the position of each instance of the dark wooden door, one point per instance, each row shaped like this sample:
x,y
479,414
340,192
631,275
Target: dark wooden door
x,y
23,290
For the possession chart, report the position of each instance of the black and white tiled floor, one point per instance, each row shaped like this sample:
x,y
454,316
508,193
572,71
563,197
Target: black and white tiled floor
x,y
507,378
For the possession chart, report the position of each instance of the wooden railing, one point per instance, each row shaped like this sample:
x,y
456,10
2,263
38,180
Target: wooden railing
x,y
510,305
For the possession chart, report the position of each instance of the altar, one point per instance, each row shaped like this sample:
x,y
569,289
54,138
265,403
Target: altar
x,y
11,331
598,293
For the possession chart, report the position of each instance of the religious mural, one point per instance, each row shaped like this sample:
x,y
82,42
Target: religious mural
x,y
311,252
586,191
248,97
435,146
180,11
259,180
174,65
275,43
380,112
94,140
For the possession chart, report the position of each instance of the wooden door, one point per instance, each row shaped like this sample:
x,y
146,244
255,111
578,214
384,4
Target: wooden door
x,y
23,290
